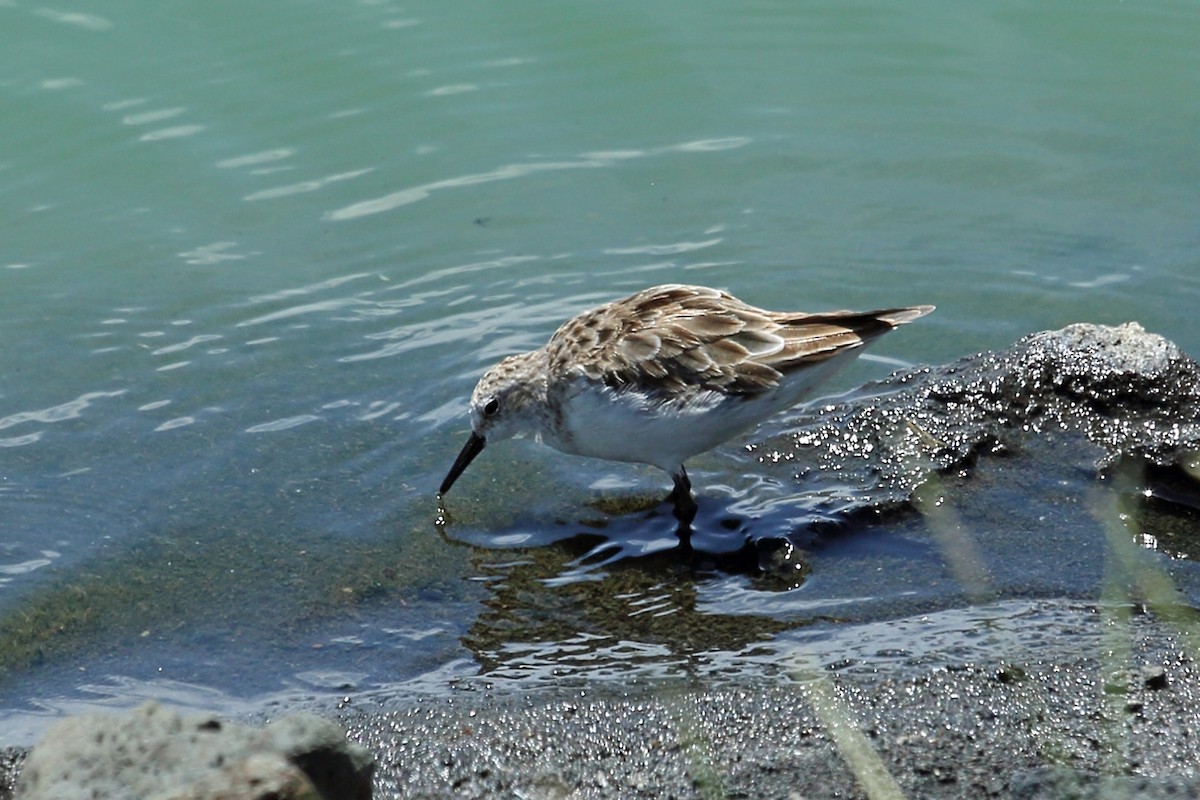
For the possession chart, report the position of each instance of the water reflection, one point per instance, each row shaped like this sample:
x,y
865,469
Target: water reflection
x,y
638,612
1161,508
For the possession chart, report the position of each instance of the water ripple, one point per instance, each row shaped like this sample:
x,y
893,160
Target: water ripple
x,y
305,186
711,145
147,117
64,411
1103,280
119,105
177,132
172,424
257,159
307,308
591,160
25,567
213,253
476,324
283,424
662,249
19,441
312,288
42,559
91,22
411,195
58,84
192,342
454,88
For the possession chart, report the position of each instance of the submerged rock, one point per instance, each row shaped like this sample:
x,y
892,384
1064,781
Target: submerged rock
x,y
153,752
1124,392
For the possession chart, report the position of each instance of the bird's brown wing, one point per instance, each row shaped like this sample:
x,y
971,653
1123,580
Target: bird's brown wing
x,y
680,339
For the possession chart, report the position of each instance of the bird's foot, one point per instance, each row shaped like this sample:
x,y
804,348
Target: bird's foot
x,y
684,505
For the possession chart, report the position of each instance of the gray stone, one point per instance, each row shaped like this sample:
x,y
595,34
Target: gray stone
x,y
156,753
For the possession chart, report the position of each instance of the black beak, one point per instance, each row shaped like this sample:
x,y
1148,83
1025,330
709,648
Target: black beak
x,y
472,448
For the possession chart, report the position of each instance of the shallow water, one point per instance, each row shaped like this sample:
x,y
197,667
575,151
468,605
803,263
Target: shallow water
x,y
256,256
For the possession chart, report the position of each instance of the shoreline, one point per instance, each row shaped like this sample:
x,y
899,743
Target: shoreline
x,y
1110,716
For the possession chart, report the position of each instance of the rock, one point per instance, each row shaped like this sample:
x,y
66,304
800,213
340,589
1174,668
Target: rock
x,y
260,776
153,752
1125,393
1154,677
1010,673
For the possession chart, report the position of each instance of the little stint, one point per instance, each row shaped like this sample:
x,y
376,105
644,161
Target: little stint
x,y
665,374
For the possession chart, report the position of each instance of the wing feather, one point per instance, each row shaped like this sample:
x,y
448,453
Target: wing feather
x,y
676,340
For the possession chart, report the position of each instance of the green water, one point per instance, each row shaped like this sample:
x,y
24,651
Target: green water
x,y
255,254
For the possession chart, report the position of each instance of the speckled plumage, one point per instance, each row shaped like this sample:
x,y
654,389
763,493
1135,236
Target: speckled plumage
x,y
664,374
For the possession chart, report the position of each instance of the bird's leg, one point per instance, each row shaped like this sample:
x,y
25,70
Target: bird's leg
x,y
683,486
681,498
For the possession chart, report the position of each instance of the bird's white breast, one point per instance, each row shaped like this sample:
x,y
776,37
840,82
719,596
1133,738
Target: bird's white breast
x,y
632,425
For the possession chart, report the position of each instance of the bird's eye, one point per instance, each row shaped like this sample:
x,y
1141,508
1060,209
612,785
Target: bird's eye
x,y
491,407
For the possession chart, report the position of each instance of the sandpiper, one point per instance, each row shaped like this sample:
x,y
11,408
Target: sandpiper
x,y
665,374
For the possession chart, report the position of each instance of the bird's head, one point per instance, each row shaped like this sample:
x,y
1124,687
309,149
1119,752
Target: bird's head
x,y
507,402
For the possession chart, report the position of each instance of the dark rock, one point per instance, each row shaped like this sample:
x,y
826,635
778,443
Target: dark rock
x,y
1154,677
1010,673
1129,393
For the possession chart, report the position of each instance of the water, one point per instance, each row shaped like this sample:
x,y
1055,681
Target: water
x,y
255,256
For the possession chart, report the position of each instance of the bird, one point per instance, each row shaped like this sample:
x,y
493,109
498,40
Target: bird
x,y
665,374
